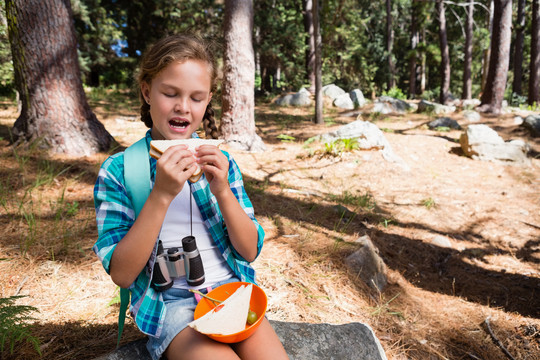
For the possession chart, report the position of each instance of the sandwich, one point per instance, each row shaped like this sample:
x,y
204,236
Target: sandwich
x,y
227,318
158,147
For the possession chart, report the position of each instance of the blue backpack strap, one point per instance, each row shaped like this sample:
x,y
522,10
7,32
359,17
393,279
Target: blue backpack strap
x,y
138,186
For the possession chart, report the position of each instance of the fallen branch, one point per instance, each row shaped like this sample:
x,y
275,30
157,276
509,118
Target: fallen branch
x,y
496,340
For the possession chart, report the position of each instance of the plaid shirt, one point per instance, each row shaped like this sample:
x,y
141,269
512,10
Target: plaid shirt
x,y
115,215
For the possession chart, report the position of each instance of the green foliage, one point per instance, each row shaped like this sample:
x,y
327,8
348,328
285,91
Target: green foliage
x,y
275,22
396,93
429,203
336,147
286,138
364,201
15,326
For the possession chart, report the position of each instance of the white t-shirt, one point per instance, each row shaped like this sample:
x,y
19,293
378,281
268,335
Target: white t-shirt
x,y
176,226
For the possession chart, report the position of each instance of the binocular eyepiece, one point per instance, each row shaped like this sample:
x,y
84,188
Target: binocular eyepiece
x,y
176,263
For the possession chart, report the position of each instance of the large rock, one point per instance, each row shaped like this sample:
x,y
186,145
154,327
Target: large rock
x,y
301,98
369,137
387,105
444,122
435,108
368,265
332,91
357,98
344,101
302,341
483,143
532,123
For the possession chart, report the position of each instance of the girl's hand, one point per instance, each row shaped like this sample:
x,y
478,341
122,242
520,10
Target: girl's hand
x,y
173,169
215,166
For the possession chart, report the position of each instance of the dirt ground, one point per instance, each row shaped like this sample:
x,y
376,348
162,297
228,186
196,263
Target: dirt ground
x,y
460,237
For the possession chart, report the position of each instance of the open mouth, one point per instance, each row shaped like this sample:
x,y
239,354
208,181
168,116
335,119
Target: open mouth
x,y
178,124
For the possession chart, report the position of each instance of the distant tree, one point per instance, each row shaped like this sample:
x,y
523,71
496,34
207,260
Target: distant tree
x,y
390,45
534,77
415,39
493,94
310,41
467,63
280,56
54,106
445,54
318,68
238,98
487,50
518,48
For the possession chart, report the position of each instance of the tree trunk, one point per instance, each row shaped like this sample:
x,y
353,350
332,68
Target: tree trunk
x,y
445,54
318,69
238,98
518,48
47,75
487,52
534,78
415,36
467,81
310,51
493,94
390,45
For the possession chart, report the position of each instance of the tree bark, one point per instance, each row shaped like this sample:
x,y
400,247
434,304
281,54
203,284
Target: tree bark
x,y
445,54
238,98
310,51
534,78
493,94
318,68
54,110
467,81
390,45
415,37
518,48
487,52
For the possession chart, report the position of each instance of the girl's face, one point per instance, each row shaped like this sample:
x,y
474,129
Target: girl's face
x,y
178,97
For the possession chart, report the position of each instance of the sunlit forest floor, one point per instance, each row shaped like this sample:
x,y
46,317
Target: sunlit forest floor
x,y
438,298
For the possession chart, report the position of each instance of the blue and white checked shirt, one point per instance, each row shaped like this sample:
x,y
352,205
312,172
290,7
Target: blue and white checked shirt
x,y
115,215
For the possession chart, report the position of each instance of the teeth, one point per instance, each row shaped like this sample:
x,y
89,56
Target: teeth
x,y
179,124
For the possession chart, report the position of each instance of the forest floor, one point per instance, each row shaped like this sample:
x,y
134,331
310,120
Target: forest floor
x,y
474,298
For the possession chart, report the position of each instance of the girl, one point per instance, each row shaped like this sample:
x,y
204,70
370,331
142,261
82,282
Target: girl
x,y
177,79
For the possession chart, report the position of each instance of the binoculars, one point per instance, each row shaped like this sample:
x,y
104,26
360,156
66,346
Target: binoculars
x,y
176,262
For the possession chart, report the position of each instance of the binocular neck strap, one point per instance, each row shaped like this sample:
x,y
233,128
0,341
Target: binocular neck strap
x,y
190,211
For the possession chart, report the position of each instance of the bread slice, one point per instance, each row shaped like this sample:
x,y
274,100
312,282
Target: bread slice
x,y
227,318
158,147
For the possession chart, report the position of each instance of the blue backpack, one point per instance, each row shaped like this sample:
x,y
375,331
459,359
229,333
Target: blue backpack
x,y
137,182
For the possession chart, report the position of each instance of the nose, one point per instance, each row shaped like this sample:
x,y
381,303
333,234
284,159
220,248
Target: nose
x,y
181,105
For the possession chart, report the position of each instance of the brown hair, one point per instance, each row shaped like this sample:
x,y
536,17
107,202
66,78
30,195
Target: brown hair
x,y
171,49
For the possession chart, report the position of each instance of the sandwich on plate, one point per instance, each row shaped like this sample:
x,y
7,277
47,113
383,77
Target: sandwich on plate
x,y
227,318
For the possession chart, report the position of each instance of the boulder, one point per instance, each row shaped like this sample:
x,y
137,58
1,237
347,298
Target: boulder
x,y
471,115
332,91
444,122
368,265
387,105
357,98
435,108
301,98
470,103
369,137
532,123
302,341
344,101
483,143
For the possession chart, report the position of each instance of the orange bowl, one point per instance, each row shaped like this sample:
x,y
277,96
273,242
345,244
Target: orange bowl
x,y
257,304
